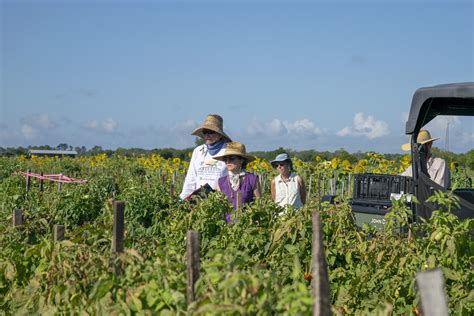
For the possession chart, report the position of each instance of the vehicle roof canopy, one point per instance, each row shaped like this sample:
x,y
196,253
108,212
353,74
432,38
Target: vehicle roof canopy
x,y
447,99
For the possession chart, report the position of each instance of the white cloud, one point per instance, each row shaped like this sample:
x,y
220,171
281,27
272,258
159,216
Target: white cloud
x,y
276,127
29,132
107,125
365,126
39,121
36,125
184,127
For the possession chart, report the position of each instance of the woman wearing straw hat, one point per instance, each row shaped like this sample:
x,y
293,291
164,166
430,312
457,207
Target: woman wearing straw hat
x,y
437,168
238,180
287,188
203,168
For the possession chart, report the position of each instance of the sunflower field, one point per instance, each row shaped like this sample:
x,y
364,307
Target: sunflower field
x,y
259,265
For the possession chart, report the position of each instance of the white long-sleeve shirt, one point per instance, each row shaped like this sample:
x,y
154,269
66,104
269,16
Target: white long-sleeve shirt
x,y
438,171
203,169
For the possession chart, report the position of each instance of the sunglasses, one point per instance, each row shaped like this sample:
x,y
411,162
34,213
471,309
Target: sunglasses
x,y
231,158
208,132
279,164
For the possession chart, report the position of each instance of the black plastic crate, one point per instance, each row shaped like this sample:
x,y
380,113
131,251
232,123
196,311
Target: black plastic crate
x,y
379,187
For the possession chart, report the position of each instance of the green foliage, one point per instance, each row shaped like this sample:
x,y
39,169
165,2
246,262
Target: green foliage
x,y
260,264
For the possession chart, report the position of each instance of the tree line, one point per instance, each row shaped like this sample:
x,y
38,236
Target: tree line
x,y
463,159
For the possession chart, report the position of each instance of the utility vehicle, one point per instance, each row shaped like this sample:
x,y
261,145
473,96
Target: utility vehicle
x,y
373,192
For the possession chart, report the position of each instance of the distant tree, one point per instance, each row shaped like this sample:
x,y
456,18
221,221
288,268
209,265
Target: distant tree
x,y
469,158
95,150
81,151
199,141
64,146
344,155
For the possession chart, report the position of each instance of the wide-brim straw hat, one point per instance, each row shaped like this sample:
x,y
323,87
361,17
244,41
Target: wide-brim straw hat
x,y
284,157
424,137
235,149
214,123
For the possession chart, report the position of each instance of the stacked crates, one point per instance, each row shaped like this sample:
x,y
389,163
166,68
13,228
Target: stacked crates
x,y
371,196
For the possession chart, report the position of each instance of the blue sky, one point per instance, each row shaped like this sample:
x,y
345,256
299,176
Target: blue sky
x,y
317,75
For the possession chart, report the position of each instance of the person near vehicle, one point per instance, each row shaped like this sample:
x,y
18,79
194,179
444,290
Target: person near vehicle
x,y
287,188
438,170
237,179
203,168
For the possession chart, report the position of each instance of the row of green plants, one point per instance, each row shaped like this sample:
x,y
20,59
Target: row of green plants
x,y
260,265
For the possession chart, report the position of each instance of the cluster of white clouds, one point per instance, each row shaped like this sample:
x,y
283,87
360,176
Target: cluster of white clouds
x,y
108,125
32,126
41,128
300,133
278,127
365,126
37,126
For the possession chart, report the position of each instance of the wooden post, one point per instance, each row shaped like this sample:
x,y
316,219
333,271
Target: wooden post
x,y
60,186
193,257
28,180
173,183
319,188
431,287
58,232
321,290
17,217
118,229
263,182
41,183
238,200
349,186
308,199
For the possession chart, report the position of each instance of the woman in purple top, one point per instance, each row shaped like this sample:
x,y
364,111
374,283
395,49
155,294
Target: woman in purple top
x,y
238,180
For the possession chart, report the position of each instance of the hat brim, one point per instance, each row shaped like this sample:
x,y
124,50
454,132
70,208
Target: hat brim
x,y
248,158
407,146
429,140
273,162
198,132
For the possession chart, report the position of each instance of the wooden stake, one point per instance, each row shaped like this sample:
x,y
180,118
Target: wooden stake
x,y
58,232
319,188
309,188
17,217
238,200
193,257
118,229
321,290
28,181
41,183
431,288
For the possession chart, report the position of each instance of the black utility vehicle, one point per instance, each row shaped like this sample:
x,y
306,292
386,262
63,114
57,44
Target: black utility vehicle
x,y
372,192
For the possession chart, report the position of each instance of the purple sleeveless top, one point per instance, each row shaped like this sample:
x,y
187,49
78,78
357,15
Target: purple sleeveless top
x,y
247,185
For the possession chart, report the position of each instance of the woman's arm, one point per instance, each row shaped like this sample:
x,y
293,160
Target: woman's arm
x,y
273,189
302,189
190,181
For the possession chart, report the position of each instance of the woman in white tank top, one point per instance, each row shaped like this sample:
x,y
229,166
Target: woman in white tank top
x,y
288,188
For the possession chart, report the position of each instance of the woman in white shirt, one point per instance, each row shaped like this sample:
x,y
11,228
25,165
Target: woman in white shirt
x,y
203,168
287,188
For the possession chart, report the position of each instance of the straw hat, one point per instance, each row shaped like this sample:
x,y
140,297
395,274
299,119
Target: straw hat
x,y
214,123
424,137
235,149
